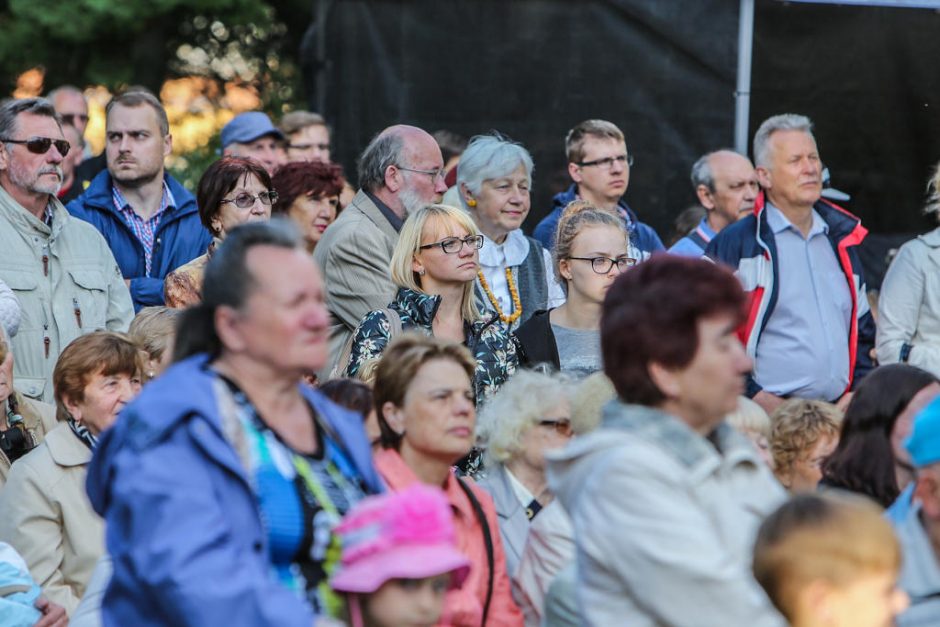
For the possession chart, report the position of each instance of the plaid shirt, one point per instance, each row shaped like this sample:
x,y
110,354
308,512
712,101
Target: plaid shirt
x,y
144,230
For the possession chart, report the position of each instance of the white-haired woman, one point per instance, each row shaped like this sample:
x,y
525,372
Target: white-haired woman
x,y
592,248
529,416
434,265
516,278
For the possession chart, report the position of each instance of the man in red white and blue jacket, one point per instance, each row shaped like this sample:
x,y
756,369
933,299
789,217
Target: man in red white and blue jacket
x,y
809,329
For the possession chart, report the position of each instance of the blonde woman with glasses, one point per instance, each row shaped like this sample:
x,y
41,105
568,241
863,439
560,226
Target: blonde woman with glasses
x,y
434,265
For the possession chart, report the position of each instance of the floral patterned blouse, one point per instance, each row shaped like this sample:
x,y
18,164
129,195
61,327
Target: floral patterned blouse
x,y
488,340
183,287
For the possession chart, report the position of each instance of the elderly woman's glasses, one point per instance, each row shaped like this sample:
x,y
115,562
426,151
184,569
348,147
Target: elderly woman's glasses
x,y
603,265
452,245
562,426
244,201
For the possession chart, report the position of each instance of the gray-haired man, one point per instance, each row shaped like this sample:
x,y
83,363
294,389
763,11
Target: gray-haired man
x,y
400,171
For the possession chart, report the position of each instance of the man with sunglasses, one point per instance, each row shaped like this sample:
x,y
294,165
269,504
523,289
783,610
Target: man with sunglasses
x,y
599,165
149,220
61,269
70,104
400,171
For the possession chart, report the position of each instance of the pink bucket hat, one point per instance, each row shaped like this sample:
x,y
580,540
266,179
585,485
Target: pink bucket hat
x,y
402,535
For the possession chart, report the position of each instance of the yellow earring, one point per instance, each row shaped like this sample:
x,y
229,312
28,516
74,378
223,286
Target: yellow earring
x,y
471,202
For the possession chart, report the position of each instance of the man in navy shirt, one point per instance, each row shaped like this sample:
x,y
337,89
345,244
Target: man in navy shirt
x,y
599,165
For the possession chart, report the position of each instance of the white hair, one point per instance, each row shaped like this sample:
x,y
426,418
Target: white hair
x,y
517,407
782,122
489,157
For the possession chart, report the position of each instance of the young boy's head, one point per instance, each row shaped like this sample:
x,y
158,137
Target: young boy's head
x,y
830,559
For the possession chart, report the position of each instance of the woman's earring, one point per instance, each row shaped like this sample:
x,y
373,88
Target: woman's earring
x,y
471,202
421,272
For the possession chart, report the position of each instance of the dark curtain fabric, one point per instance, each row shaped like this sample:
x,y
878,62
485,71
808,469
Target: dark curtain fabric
x,y
662,71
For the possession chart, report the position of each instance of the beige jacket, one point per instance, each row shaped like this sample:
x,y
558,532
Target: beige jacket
x,y
81,290
355,254
47,517
39,419
909,306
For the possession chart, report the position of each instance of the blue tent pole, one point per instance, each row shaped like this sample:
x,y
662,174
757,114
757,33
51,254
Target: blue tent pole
x,y
742,95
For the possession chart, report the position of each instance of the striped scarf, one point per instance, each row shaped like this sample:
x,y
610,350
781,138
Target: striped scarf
x,y
83,434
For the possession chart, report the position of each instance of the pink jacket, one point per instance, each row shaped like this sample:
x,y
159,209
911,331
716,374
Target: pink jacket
x,y
464,607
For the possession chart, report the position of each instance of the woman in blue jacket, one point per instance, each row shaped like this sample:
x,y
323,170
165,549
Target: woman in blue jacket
x,y
222,484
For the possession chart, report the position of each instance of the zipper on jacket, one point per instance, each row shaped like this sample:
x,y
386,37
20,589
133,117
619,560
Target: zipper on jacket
x,y
78,312
46,340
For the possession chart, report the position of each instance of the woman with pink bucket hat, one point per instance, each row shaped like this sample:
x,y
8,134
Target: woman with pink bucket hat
x,y
399,559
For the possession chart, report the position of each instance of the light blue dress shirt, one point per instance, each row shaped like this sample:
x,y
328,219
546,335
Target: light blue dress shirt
x,y
687,246
804,349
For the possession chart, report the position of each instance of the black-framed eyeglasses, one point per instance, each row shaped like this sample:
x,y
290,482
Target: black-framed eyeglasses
x,y
452,245
608,162
603,265
434,174
562,426
69,118
41,145
244,201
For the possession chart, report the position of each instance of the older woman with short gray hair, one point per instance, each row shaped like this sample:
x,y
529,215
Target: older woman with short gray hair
x,y
529,416
516,276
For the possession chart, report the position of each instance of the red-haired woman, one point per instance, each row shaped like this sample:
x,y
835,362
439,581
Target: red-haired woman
x,y
308,193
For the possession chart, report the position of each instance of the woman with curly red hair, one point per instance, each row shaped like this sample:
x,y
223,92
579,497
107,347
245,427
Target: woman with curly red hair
x,y
308,193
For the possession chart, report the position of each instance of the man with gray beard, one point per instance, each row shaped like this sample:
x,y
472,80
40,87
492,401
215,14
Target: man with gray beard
x,y
400,171
61,269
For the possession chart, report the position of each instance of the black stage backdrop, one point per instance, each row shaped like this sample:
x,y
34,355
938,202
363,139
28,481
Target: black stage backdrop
x,y
664,71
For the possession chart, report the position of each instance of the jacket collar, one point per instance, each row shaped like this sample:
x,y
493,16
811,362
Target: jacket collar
x,y
65,447
562,199
920,574
843,226
398,476
691,449
26,222
362,203
99,196
420,307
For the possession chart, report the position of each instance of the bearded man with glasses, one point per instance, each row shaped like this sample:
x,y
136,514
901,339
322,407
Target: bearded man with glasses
x,y
400,171
148,218
61,269
599,166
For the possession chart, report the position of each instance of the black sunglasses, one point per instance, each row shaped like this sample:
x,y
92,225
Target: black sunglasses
x,y
69,118
41,145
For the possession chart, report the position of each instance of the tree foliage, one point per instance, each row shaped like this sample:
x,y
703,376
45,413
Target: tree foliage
x,y
119,42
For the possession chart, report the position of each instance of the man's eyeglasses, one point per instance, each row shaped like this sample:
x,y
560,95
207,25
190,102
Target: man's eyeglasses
x,y
451,245
41,145
69,118
244,201
608,162
603,265
434,174
562,426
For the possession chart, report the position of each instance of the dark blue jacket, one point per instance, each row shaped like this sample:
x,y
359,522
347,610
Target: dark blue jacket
x,y
183,526
642,236
179,239
749,248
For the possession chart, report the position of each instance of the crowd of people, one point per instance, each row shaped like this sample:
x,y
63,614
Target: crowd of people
x,y
291,400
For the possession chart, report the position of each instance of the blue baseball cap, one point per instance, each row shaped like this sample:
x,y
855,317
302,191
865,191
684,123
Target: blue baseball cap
x,y
924,441
247,127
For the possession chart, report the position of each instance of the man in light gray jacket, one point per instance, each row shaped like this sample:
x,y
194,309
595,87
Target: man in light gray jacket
x,y
400,171
665,498
61,269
